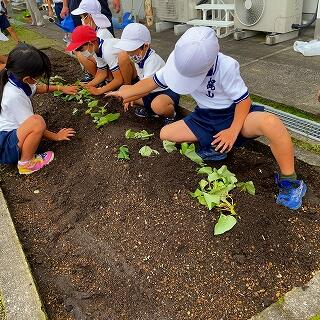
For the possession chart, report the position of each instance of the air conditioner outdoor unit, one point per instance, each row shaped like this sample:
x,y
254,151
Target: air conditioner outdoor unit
x,y
275,16
175,10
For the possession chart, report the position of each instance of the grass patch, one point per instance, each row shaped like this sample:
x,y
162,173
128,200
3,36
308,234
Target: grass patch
x,y
316,317
314,148
2,310
28,36
283,107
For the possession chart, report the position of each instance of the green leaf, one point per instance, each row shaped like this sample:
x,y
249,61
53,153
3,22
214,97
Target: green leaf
x,y
146,151
93,104
205,170
190,152
211,200
143,134
196,194
224,224
203,183
123,153
247,187
57,93
110,117
169,146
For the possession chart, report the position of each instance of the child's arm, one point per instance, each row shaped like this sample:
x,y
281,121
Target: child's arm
x,y
63,134
132,93
43,88
116,83
225,139
100,76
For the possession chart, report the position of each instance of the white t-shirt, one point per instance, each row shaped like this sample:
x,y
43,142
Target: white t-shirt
x,y
103,33
107,57
16,107
148,67
221,88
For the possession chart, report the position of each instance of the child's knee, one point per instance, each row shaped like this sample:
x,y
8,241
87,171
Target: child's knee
x,y
123,57
38,122
164,133
271,122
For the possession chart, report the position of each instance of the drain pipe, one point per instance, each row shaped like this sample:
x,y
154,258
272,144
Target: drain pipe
x,y
308,24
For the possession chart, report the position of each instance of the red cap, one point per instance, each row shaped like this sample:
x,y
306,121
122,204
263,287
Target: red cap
x,y
80,36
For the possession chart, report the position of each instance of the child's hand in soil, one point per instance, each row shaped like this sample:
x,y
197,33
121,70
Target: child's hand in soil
x,y
69,89
127,105
95,91
65,134
224,140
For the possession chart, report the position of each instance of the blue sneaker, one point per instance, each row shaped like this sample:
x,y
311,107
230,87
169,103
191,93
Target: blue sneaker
x,y
291,192
144,113
209,154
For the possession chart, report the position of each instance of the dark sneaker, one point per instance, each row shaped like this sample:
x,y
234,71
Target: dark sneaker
x,y
87,77
168,120
209,154
291,192
144,113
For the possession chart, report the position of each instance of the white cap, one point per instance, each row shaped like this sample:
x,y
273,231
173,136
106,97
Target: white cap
x,y
93,7
134,35
3,37
193,56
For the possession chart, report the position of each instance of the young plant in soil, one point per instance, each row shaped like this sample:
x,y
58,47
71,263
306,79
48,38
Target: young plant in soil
x,y
143,134
169,146
146,151
123,153
214,192
189,150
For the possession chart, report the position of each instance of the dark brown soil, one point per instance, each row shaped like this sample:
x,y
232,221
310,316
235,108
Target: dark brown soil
x,y
110,240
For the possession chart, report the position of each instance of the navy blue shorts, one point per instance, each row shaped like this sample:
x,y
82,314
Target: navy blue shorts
x,y
151,96
57,9
205,123
9,150
4,22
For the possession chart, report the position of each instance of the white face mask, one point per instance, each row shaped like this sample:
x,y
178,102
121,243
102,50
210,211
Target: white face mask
x,y
33,87
87,53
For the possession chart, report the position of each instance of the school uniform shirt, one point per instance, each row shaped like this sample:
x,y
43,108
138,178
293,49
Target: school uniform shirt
x,y
103,33
16,106
148,67
221,88
107,56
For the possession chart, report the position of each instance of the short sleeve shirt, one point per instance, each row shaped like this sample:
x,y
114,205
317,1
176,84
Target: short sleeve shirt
x,y
107,56
16,107
221,88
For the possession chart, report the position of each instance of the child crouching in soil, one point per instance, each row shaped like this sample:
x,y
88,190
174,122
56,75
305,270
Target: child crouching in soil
x,y
224,116
145,62
20,129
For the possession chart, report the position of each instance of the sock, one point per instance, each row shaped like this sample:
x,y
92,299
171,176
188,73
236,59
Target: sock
x,y
292,176
21,163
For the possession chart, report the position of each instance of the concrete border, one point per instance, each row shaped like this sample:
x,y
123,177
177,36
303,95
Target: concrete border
x,y
298,304
19,292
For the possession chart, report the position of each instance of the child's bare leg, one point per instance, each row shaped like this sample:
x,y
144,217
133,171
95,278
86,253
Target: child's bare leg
x,y
163,106
13,34
29,135
88,64
127,68
270,126
177,132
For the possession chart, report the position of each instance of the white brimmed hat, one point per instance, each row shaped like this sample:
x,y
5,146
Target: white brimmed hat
x,y
134,35
93,7
193,56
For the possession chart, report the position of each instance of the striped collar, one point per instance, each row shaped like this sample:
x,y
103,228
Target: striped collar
x,y
19,84
146,56
213,69
100,51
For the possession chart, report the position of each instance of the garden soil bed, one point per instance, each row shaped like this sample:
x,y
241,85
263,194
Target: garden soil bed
x,y
108,239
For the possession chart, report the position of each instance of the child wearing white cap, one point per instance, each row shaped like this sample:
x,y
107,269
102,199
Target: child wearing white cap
x,y
145,62
90,13
107,74
224,116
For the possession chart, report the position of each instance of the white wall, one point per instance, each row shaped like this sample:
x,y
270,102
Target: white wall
x,y
309,6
